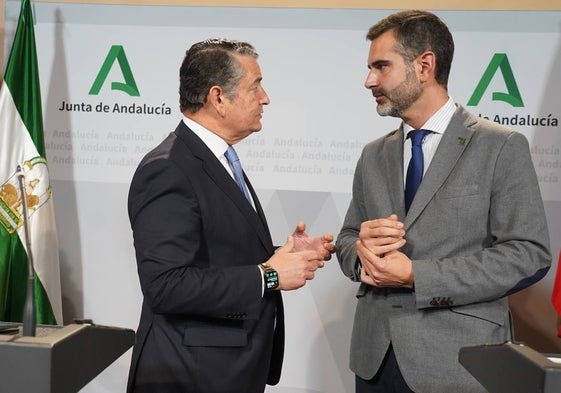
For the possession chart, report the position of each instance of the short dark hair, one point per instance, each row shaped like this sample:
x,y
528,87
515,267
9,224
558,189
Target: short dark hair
x,y
210,63
418,31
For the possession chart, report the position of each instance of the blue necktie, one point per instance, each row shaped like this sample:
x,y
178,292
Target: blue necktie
x,y
234,162
415,168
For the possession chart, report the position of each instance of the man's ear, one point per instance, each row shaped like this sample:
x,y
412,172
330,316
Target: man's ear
x,y
427,65
216,99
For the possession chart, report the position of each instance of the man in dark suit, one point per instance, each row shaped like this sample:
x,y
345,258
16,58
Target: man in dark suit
x,y
435,268
212,316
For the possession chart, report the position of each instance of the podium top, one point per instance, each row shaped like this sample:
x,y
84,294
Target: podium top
x,y
513,368
45,334
56,359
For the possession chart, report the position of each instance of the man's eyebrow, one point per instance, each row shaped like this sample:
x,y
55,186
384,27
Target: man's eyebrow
x,y
378,63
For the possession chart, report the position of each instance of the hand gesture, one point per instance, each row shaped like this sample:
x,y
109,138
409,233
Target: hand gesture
x,y
323,244
394,269
294,268
383,265
382,235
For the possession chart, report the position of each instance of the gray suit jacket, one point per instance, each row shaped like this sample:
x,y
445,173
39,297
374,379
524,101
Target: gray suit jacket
x,y
476,232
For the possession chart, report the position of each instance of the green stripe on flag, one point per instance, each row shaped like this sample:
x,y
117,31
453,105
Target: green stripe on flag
x,y
12,274
13,277
22,77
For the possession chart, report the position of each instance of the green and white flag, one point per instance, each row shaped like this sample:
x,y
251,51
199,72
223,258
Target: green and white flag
x,y
22,145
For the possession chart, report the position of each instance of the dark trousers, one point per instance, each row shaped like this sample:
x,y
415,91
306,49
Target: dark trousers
x,y
387,380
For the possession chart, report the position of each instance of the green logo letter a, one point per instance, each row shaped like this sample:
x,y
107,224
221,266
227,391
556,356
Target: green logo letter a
x,y
116,53
513,97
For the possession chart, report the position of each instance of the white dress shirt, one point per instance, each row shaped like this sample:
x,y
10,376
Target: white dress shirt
x,y
437,123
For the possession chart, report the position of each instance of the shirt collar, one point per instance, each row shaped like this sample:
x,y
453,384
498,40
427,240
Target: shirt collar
x,y
438,122
217,145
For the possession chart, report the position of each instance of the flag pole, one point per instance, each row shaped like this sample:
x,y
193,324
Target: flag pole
x,y
29,318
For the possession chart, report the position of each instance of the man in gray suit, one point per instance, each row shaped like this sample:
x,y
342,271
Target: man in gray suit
x,y
435,276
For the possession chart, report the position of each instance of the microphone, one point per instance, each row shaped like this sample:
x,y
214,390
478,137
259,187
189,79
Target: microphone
x,y
29,319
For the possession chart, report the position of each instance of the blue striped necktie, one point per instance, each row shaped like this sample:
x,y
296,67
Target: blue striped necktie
x,y
415,168
236,166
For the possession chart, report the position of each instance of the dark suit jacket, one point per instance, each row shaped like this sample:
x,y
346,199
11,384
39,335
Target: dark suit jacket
x,y
476,232
205,326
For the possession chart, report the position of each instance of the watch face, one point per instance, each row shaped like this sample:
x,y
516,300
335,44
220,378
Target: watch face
x,y
271,279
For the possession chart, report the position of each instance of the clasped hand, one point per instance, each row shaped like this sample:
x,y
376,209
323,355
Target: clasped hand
x,y
383,265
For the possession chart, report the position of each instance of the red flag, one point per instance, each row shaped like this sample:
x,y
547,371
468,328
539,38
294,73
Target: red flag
x,y
556,294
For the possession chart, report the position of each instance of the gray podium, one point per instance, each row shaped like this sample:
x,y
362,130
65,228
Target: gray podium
x,y
59,359
512,368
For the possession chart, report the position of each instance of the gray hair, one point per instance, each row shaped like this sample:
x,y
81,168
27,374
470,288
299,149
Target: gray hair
x,y
211,63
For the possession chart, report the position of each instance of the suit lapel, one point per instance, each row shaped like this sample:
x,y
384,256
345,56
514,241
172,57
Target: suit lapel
x,y
215,170
258,209
394,171
452,145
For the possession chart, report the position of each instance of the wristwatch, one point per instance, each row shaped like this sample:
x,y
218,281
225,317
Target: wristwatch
x,y
270,276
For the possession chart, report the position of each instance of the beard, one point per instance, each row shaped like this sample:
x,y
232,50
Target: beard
x,y
399,99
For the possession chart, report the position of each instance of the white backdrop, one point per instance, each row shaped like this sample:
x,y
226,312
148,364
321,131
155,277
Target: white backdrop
x,y
301,163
